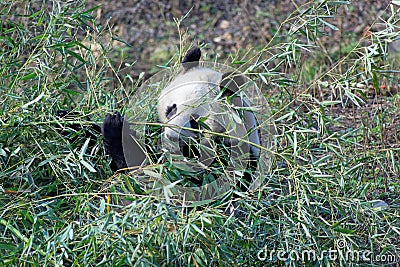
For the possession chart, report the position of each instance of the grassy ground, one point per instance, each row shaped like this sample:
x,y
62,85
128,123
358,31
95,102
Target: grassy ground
x,y
334,184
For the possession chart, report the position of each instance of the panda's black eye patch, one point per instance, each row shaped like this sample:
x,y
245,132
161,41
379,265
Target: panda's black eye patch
x,y
171,111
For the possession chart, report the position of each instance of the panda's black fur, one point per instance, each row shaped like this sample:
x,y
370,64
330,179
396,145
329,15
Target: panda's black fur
x,y
192,56
112,129
112,138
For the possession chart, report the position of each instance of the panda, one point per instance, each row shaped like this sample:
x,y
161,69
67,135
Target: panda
x,y
200,110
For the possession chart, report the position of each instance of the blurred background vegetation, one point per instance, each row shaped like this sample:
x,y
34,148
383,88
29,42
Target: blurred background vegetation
x,y
329,69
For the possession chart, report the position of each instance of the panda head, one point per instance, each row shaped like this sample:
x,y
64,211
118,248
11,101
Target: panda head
x,y
200,94
190,96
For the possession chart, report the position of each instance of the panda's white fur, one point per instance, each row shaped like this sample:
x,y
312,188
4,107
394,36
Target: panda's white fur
x,y
196,93
193,94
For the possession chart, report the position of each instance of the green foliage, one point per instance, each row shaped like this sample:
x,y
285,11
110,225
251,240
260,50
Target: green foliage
x,y
334,184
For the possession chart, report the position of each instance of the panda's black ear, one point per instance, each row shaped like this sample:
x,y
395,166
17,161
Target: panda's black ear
x,y
231,82
192,58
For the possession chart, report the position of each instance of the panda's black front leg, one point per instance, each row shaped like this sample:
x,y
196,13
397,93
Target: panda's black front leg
x,y
112,136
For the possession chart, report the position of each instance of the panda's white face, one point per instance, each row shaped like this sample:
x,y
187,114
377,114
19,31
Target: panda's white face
x,y
196,94
190,96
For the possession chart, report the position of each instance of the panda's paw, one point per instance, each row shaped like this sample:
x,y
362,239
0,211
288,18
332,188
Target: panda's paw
x,y
112,137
